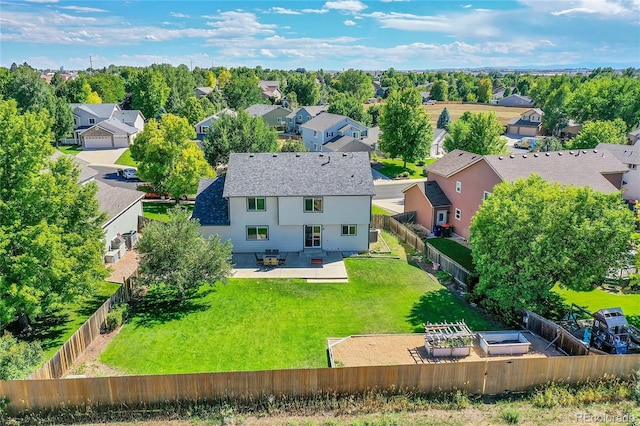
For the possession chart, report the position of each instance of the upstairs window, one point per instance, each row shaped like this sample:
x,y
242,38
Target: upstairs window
x,y
92,121
256,204
257,232
312,205
458,186
486,195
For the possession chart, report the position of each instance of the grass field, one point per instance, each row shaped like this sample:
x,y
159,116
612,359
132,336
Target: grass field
x,y
455,251
379,210
252,324
393,167
504,114
55,328
126,160
158,211
596,299
70,149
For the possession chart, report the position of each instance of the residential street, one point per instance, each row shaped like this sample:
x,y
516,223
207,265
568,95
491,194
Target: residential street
x,y
109,175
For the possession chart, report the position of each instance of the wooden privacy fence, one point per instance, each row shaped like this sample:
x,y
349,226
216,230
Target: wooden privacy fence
x,y
459,273
478,377
62,360
554,333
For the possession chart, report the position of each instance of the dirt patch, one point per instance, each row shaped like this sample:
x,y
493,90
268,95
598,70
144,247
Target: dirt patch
x,y
88,364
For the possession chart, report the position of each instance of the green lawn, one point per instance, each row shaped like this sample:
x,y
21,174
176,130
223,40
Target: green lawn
x,y
70,149
54,329
393,167
158,211
596,299
379,210
252,324
455,251
126,160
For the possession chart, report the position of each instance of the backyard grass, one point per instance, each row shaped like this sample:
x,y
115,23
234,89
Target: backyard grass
x,y
379,210
393,167
455,251
255,324
126,160
158,211
597,299
503,113
70,149
57,327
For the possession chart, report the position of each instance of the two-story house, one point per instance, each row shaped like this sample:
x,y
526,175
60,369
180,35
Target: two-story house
x,y
203,126
515,100
270,89
274,115
460,181
290,202
528,124
301,115
326,128
105,125
630,156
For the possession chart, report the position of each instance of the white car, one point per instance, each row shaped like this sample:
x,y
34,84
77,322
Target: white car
x,y
130,173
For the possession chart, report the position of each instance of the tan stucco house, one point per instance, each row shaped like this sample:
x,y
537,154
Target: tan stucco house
x,y
460,181
528,124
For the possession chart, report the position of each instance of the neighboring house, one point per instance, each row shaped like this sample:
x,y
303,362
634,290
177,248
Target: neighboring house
x,y
103,126
426,96
270,89
529,123
569,131
379,91
460,181
203,126
327,127
289,202
516,100
302,115
202,91
498,93
630,156
274,115
634,136
437,146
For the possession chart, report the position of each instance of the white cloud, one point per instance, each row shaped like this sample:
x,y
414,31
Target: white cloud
x,y
467,6
471,24
318,11
283,11
240,24
605,8
83,9
42,1
267,52
349,23
178,15
346,5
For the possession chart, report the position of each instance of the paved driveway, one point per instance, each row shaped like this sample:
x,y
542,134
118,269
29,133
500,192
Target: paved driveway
x,y
101,156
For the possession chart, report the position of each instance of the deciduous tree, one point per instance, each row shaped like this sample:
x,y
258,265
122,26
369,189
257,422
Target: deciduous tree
x,y
242,91
354,82
531,235
306,88
595,132
440,90
476,132
406,130
485,90
175,258
18,359
149,92
349,106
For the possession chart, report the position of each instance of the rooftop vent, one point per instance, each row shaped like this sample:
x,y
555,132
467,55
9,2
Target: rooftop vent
x,y
524,156
275,155
547,154
321,155
570,152
251,156
298,155
344,154
584,151
595,151
501,158
535,155
559,153
512,156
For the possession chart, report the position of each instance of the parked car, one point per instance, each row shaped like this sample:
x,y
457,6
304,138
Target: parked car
x,y
429,103
129,173
526,143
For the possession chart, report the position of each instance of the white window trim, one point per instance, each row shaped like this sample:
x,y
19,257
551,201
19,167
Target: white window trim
x,y
257,228
256,204
458,187
304,204
458,214
486,195
349,228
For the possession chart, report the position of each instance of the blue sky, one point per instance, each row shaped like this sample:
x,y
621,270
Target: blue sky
x,y
333,35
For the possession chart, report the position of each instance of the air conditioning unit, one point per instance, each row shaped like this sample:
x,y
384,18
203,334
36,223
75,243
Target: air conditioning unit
x,y
112,256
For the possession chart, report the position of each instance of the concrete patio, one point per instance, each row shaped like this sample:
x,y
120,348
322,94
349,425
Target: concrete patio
x,y
296,265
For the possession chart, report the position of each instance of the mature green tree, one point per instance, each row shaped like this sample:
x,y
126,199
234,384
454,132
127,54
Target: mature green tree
x,y
440,90
110,87
177,260
476,132
242,92
374,112
349,106
149,92
444,119
63,122
162,152
555,109
406,130
18,359
193,111
531,235
29,91
356,83
241,133
548,143
224,77
485,90
595,132
77,90
51,239
293,146
306,88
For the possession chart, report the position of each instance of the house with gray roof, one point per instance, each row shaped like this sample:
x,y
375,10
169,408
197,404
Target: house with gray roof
x,y
290,202
630,156
274,115
104,126
463,180
301,115
516,100
327,127
203,125
199,92
634,136
528,124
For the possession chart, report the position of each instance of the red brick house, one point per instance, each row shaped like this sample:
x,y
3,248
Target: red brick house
x,y
460,181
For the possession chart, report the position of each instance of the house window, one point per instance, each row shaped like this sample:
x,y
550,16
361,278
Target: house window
x,y
458,186
356,135
329,134
633,166
458,214
315,133
257,232
312,205
279,119
349,230
300,117
256,204
486,195
92,121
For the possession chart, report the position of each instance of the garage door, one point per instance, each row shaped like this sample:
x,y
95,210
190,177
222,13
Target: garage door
x,y
93,142
121,142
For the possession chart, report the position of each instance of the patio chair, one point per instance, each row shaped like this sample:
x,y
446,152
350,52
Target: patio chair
x,y
282,259
259,259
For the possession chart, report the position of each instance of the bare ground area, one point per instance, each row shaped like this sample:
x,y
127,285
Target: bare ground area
x,y
89,365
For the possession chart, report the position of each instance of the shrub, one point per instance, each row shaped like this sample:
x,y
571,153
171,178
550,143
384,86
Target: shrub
x,y
420,163
404,174
116,317
511,416
443,276
18,359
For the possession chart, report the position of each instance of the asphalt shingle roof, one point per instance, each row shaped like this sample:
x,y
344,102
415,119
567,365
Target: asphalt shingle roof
x,y
211,207
117,127
434,194
453,162
628,154
99,110
323,121
298,174
261,109
114,200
